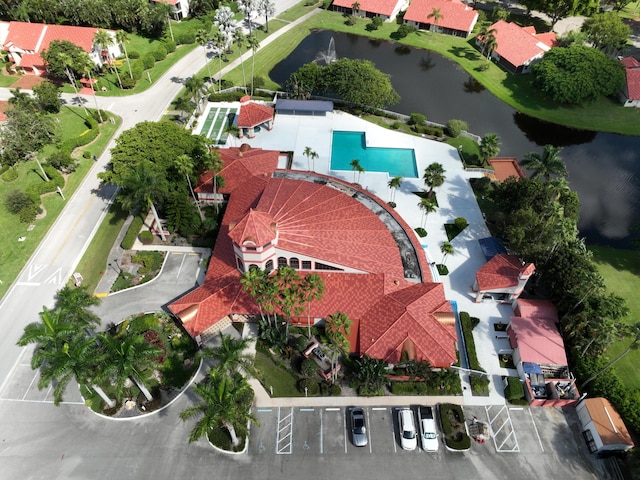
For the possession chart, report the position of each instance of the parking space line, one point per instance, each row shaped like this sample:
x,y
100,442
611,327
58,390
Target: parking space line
x,y
536,429
321,447
30,385
368,425
282,450
505,423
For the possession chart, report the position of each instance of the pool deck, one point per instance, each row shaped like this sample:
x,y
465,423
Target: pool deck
x,y
455,199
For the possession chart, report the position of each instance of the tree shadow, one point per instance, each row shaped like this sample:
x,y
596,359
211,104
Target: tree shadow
x,y
465,52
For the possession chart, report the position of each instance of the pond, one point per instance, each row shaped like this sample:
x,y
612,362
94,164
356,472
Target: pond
x,y
604,169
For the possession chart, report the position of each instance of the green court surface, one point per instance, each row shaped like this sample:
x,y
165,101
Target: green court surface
x,y
216,123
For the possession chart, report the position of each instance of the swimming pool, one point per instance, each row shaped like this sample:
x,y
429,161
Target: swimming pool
x,y
347,146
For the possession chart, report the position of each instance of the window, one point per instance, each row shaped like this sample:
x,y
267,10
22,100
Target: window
x,y
306,265
323,266
250,249
282,262
253,266
295,263
588,437
269,266
239,264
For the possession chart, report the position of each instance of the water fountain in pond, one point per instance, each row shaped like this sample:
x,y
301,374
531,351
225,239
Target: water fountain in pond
x,y
329,55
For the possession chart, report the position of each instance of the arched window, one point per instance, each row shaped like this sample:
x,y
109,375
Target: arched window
x,y
239,264
269,266
294,263
252,266
282,262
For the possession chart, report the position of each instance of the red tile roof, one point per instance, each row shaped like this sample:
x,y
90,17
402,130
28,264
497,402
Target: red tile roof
x,y
328,225
24,35
632,71
534,308
502,271
504,168
380,7
253,114
538,341
256,228
518,45
455,14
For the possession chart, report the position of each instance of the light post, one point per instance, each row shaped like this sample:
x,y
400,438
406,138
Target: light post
x,y
460,153
306,389
119,270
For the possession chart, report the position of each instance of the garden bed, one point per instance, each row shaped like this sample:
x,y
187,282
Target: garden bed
x,y
453,427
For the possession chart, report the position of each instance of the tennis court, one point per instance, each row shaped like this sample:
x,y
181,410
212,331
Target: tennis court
x,y
217,120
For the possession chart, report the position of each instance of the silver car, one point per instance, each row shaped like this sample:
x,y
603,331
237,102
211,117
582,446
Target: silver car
x,y
358,428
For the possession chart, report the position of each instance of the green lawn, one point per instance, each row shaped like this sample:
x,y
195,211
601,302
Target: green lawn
x,y
271,375
14,254
621,271
603,115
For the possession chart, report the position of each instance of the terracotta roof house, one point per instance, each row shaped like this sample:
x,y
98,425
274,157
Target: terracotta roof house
x,y
457,18
504,168
630,93
253,115
179,8
24,43
386,9
319,224
502,278
603,428
539,354
517,48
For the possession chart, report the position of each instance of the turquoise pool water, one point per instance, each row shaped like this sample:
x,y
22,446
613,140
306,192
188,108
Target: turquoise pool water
x,y
348,146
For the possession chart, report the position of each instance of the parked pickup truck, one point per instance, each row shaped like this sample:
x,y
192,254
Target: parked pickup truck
x,y
428,434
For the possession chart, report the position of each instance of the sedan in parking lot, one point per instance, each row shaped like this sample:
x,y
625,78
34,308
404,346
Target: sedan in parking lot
x,y
407,425
358,428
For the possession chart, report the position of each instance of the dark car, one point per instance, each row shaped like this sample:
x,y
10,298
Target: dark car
x,y
358,428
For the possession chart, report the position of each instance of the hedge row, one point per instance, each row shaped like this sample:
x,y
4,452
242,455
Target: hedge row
x,y
513,390
470,344
84,138
37,189
130,238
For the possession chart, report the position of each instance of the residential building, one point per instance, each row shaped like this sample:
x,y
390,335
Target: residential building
x,y
630,93
454,17
502,278
372,266
539,354
517,48
24,42
179,8
603,428
385,9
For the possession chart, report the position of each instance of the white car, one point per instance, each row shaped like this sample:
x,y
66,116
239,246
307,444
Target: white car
x,y
407,425
428,435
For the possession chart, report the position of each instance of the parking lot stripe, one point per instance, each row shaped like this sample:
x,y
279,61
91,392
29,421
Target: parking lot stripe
x,y
536,429
332,409
378,408
307,409
368,425
30,385
264,410
321,447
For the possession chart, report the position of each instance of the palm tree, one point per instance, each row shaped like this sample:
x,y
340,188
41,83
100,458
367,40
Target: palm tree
x,y
433,177
488,38
634,330
394,184
240,39
338,329
129,357
311,155
427,205
165,11
312,289
194,87
489,146
74,301
355,7
356,167
122,38
547,165
183,104
254,44
253,281
87,68
437,16
268,8
289,296
230,355
233,131
184,165
226,401
202,37
220,41
446,249
140,187
103,40
67,61
215,165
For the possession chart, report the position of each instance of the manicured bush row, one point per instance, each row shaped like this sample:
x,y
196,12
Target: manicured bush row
x,y
37,189
84,138
226,97
146,237
421,232
479,384
467,327
132,233
513,390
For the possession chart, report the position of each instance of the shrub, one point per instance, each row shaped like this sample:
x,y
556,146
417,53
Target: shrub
x,y
55,180
28,214
61,160
421,232
86,154
396,125
461,223
308,367
151,261
442,269
482,184
10,175
186,38
226,97
160,53
455,127
133,54
258,82
148,61
479,384
475,321
300,342
142,323
404,30
127,81
169,45
417,119
483,67
146,237
16,200
350,21
312,386
132,232
513,390
335,390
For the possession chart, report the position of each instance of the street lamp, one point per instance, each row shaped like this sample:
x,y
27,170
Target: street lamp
x,y
460,153
115,261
